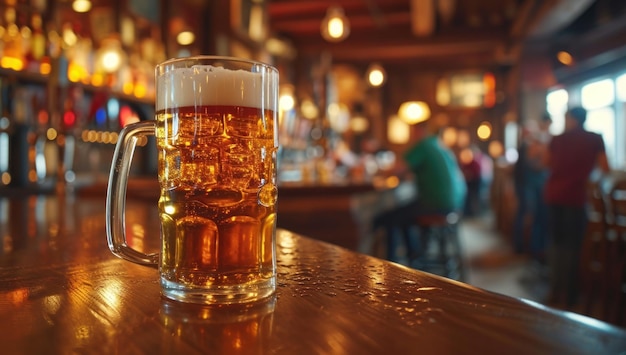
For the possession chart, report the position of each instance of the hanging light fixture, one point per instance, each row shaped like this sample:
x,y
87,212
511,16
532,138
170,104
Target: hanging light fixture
x,y
185,38
81,5
335,26
376,75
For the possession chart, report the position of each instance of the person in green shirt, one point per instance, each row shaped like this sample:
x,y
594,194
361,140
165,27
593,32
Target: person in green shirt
x,y
439,181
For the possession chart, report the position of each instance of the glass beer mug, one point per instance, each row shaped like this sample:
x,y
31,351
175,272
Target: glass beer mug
x,y
216,136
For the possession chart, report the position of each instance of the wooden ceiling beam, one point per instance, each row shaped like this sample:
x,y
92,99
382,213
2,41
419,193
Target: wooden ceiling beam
x,y
289,8
308,25
384,52
554,15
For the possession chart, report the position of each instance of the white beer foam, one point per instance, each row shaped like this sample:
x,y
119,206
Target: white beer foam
x,y
209,85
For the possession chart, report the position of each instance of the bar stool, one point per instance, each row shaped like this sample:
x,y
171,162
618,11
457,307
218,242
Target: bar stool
x,y
440,249
595,268
616,270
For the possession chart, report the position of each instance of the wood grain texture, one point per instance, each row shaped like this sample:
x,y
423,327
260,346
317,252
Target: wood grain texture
x,y
61,291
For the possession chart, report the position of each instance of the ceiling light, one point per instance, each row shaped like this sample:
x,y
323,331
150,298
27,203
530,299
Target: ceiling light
x,y
335,26
185,38
376,75
565,58
81,5
413,112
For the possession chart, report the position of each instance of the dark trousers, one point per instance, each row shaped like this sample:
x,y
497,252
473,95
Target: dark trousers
x,y
567,226
398,225
530,204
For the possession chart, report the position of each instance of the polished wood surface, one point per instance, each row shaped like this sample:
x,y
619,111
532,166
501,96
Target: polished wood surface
x,y
61,292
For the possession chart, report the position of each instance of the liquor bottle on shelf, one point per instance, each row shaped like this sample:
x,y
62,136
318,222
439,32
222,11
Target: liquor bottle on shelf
x,y
13,109
39,138
5,146
12,55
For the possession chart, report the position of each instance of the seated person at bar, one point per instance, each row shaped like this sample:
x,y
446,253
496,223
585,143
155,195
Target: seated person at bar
x,y
440,186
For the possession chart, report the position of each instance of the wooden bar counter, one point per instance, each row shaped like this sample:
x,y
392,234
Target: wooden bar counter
x,y
63,292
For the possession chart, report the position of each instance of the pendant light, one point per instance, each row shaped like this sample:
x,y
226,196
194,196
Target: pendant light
x,y
413,112
376,75
335,26
81,5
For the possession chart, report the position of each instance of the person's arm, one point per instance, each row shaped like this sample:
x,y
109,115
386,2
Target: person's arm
x,y
603,163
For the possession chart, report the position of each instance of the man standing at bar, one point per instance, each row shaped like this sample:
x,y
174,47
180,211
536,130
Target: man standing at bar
x,y
571,158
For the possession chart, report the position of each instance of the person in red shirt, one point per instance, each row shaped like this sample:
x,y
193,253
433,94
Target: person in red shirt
x,y
571,158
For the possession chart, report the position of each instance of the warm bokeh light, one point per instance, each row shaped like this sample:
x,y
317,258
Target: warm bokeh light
x,y
309,109
286,102
376,75
359,124
489,81
413,112
398,131
466,156
42,117
484,131
16,64
5,178
32,175
51,134
81,5
565,58
92,136
111,61
140,90
449,136
97,79
69,36
286,99
338,117
463,139
335,26
442,94
76,73
128,88
45,68
185,38
495,149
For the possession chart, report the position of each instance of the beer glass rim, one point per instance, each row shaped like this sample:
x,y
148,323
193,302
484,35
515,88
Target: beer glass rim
x,y
207,59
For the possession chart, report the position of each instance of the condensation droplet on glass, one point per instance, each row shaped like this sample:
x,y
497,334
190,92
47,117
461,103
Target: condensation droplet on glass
x,y
268,195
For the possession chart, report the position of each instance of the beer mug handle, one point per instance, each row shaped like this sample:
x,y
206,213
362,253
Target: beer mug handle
x,y
116,194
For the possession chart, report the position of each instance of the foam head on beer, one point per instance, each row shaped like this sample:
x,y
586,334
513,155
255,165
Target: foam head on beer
x,y
207,85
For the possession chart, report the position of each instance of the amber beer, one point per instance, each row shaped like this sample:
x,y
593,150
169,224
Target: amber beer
x,y
216,137
218,194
